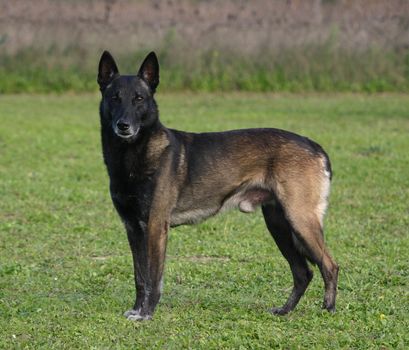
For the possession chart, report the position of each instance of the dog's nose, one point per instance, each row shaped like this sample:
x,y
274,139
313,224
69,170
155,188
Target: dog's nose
x,y
122,126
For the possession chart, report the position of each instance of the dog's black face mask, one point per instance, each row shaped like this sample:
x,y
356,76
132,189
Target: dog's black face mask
x,y
127,100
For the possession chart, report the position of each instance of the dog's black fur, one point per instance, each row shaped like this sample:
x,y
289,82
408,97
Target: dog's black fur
x,y
161,178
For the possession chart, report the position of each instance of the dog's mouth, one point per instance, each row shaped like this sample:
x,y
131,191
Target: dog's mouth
x,y
128,134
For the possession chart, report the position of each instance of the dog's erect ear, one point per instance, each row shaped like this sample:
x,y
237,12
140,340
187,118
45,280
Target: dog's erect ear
x,y
149,71
107,70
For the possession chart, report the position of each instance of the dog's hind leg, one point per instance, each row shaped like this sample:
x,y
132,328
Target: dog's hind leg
x,y
308,232
280,229
306,223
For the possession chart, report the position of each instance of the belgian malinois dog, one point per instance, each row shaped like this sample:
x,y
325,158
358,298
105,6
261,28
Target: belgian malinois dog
x,y
161,178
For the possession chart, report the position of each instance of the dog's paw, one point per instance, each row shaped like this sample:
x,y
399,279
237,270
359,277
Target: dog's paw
x,y
134,315
330,308
139,317
279,311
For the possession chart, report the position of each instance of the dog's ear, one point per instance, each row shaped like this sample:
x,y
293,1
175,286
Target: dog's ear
x,y
149,71
107,70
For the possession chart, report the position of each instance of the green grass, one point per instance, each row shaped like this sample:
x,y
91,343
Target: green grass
x,y
65,266
320,68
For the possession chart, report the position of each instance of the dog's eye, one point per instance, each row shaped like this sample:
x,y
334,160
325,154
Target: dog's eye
x,y
115,97
138,98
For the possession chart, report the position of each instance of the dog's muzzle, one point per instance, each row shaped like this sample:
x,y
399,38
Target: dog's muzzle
x,y
125,131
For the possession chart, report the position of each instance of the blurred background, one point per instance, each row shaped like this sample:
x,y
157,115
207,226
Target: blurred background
x,y
208,45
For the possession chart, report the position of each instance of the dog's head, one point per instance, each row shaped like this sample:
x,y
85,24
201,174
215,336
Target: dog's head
x,y
127,103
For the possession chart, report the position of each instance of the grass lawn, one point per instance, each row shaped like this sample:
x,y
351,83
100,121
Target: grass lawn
x,y
65,266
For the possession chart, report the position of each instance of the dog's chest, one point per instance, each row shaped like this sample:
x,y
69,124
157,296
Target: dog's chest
x,y
132,199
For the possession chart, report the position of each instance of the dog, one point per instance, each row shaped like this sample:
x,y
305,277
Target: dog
x,y
161,178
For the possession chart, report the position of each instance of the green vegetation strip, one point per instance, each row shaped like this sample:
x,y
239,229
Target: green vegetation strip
x,y
65,266
320,68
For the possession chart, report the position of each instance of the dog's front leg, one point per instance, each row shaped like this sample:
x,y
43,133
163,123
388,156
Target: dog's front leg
x,y
148,251
138,242
157,240
150,248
